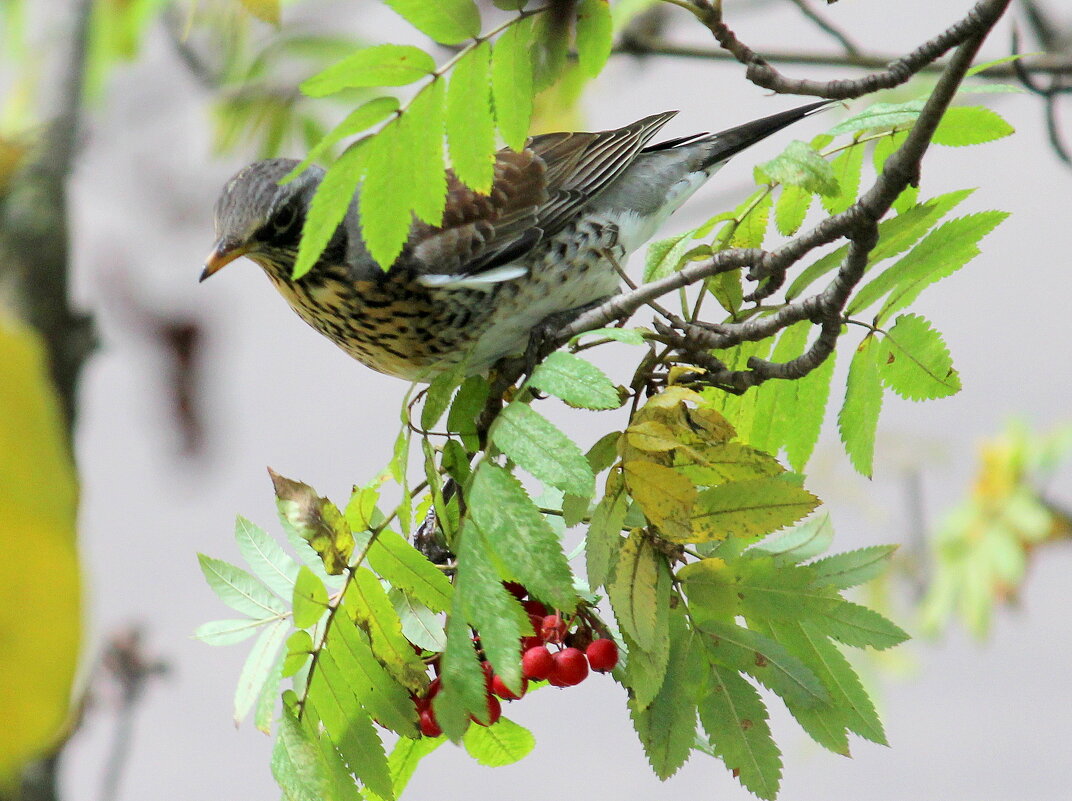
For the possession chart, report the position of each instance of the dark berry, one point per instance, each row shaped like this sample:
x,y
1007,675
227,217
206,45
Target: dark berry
x,y
534,607
537,663
429,727
552,629
515,589
494,712
602,655
498,686
570,667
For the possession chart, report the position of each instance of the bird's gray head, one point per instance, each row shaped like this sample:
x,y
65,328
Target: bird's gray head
x,y
256,216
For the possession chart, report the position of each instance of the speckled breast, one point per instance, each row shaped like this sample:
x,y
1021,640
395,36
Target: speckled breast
x,y
410,331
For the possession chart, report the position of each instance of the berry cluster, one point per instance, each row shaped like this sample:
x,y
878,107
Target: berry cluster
x,y
576,652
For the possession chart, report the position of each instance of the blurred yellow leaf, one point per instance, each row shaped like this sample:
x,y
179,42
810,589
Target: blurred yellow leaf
x,y
267,10
40,587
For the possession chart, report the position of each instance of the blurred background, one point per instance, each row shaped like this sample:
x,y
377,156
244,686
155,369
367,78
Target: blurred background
x,y
195,389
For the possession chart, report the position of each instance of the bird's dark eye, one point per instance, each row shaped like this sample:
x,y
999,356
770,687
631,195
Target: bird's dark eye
x,y
285,218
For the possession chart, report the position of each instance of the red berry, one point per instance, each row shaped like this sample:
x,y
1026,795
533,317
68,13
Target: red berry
x,y
552,629
536,621
489,674
602,655
515,589
494,712
433,688
570,667
534,607
429,727
498,686
537,663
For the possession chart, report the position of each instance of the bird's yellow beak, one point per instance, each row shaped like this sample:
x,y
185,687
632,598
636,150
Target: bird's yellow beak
x,y
223,253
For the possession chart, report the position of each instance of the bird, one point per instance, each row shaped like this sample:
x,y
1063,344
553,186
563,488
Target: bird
x,y
548,240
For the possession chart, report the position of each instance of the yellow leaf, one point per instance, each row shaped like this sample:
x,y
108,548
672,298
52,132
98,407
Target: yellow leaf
x,y
651,436
665,495
266,10
40,587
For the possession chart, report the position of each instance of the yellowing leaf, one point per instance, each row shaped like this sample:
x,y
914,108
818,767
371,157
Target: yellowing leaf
x,y
316,519
750,509
40,586
665,495
266,10
635,591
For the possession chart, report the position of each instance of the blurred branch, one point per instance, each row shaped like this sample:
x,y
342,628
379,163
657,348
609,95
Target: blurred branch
x,y
1046,33
34,240
826,26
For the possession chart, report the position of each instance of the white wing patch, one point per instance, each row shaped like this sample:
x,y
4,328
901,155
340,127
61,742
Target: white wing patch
x,y
484,280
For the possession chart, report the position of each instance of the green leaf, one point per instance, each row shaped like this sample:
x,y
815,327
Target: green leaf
x,y
880,116
594,35
852,708
800,165
846,169
515,530
360,119
800,543
640,589
463,691
227,632
764,660
791,209
470,121
420,625
239,590
258,667
367,604
915,362
604,538
667,727
408,569
310,599
351,731
387,193
575,380
316,519
297,764
421,130
852,568
858,418
970,125
534,443
329,205
859,626
488,606
941,253
448,22
502,744
405,757
753,215
349,652
265,706
269,561
381,65
468,404
299,649
645,671
664,256
735,720
749,509
511,84
629,336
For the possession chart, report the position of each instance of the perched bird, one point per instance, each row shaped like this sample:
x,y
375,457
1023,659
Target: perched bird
x,y
561,214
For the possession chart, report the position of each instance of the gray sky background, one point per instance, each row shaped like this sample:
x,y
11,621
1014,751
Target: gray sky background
x,y
965,720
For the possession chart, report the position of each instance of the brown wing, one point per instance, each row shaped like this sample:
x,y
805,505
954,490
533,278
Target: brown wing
x,y
533,195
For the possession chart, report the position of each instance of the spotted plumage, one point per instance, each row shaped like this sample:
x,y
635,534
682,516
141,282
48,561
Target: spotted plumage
x,y
544,241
